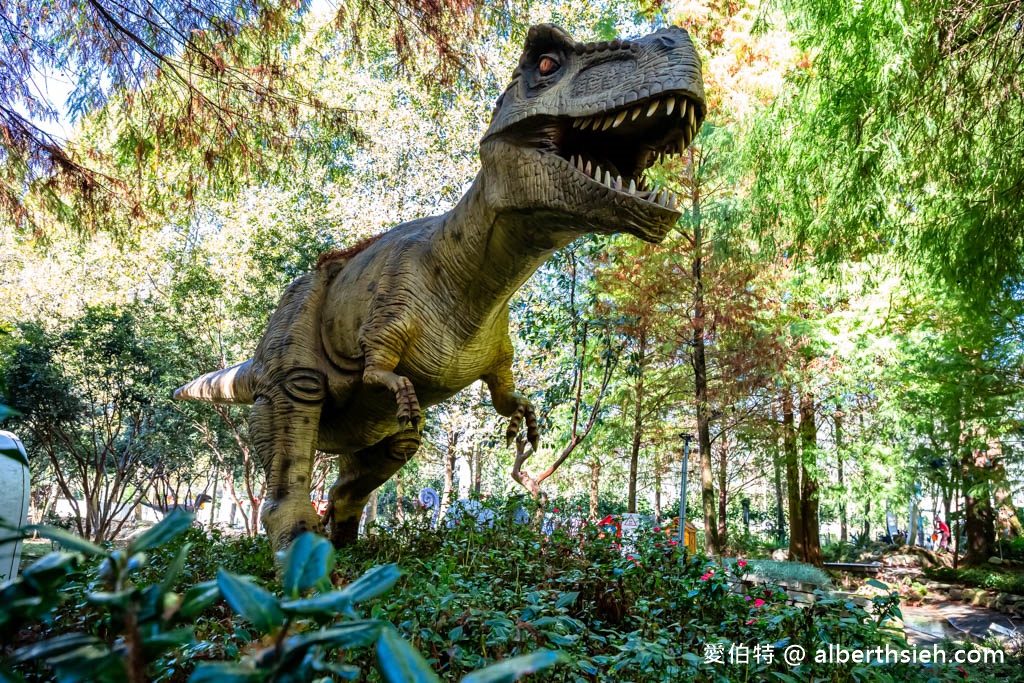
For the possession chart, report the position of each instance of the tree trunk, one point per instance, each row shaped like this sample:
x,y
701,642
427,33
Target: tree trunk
x,y
1006,512
449,479
809,482
723,500
867,520
842,481
978,515
638,420
796,534
777,456
702,411
657,489
478,460
371,514
399,493
595,485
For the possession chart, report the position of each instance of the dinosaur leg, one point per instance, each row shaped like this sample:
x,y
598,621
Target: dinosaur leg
x,y
510,403
283,426
359,475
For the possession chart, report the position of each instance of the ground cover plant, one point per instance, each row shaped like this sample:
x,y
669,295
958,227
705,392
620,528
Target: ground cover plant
x,y
412,603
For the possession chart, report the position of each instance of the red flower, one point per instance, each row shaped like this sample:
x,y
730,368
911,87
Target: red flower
x,y
657,529
556,510
707,576
759,602
629,557
673,542
751,621
607,520
741,564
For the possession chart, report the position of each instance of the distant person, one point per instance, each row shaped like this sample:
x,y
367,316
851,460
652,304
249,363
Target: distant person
x,y
944,534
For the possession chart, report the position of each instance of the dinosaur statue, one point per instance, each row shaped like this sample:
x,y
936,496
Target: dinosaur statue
x,y
377,332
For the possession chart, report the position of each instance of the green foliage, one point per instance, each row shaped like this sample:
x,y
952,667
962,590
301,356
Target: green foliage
x,y
992,578
140,623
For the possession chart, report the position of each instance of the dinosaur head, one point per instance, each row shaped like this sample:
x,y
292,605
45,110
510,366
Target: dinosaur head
x,y
580,123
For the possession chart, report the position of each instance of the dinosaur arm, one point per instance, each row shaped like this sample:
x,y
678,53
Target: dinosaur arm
x,y
509,402
382,351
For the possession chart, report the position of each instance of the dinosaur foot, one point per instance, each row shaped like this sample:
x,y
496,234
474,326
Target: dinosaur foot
x,y
523,410
408,404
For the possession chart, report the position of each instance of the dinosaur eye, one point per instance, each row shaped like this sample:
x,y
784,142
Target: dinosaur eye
x,y
547,66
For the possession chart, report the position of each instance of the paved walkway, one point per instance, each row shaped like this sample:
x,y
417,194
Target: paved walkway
x,y
927,624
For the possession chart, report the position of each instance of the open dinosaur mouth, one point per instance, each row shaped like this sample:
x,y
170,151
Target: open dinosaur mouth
x,y
615,147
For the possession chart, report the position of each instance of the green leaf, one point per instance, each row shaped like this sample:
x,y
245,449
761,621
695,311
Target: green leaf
x,y
567,599
54,647
877,584
6,412
309,559
198,598
322,603
226,673
399,662
252,602
167,529
375,582
50,571
177,564
65,538
510,670
348,635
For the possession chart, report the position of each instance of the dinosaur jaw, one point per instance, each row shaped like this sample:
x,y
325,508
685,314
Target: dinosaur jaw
x,y
598,161
615,148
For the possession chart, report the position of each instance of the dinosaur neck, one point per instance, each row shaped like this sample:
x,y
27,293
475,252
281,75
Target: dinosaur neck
x,y
487,255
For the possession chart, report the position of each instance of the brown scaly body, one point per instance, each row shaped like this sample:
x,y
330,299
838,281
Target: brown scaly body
x,y
379,331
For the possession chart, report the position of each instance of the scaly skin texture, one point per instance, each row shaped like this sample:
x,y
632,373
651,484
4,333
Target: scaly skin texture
x,y
360,346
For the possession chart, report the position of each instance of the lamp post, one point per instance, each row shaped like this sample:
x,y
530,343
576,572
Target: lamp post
x,y
682,489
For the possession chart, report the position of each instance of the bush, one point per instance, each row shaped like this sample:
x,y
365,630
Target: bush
x,y
501,596
981,577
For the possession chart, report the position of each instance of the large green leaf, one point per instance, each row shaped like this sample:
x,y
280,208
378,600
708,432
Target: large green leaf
x,y
399,661
309,559
348,635
513,669
377,581
252,602
53,647
226,673
65,538
198,598
167,529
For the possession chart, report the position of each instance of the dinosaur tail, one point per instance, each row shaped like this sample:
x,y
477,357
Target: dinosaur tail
x,y
230,385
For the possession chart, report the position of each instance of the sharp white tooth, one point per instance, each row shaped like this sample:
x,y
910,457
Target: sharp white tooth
x,y
618,183
683,107
584,124
653,108
588,169
578,123
670,104
597,173
691,117
693,131
607,123
672,202
607,179
635,113
619,119
579,163
632,186
652,196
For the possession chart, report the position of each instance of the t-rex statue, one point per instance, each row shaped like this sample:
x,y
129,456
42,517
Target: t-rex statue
x,y
377,332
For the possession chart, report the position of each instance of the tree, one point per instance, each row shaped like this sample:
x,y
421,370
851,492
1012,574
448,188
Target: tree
x,y
840,166
209,94
87,395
